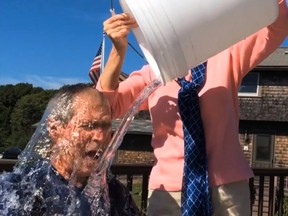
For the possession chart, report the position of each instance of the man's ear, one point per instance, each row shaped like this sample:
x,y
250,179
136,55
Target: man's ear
x,y
54,128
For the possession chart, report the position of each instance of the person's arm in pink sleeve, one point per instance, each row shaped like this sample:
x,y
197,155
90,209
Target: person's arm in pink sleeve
x,y
127,92
254,49
117,28
121,96
130,89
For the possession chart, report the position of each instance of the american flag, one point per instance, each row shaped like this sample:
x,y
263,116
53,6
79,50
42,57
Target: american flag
x,y
95,70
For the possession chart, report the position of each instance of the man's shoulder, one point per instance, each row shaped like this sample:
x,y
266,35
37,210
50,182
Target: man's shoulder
x,y
10,178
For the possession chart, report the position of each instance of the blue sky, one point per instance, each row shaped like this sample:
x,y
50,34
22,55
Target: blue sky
x,y
51,43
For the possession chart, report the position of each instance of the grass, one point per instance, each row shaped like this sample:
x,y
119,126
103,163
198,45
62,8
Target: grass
x,y
136,188
136,193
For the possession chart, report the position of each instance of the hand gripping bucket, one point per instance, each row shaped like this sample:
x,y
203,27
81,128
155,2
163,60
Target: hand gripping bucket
x,y
176,35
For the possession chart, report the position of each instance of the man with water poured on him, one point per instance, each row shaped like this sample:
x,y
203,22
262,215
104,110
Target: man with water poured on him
x,y
55,166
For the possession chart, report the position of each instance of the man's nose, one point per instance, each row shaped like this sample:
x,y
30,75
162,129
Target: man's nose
x,y
98,134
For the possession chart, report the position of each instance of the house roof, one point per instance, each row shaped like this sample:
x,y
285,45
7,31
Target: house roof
x,y
278,58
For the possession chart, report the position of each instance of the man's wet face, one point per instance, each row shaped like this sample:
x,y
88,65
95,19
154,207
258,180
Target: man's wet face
x,y
85,136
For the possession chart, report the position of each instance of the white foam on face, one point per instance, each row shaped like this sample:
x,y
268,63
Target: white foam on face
x,y
75,134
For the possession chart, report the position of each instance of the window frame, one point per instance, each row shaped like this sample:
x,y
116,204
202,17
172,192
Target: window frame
x,y
258,162
251,94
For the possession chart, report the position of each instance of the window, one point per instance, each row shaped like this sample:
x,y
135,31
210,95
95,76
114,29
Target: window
x,y
263,150
250,85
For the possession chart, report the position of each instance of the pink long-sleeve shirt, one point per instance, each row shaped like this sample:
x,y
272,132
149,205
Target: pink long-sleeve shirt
x,y
218,104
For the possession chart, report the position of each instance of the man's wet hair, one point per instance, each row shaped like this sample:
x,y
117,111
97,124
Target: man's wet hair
x,y
63,101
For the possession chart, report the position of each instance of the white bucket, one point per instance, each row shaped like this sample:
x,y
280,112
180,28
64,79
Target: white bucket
x,y
176,35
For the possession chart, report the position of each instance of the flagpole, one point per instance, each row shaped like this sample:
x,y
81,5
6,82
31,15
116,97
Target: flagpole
x,y
103,52
112,11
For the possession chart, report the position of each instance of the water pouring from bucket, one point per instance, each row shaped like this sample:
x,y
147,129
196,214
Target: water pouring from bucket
x,y
178,35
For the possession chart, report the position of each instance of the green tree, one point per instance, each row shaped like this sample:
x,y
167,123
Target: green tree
x,y
28,111
9,95
4,124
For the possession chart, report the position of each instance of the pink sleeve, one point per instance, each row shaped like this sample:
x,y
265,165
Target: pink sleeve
x,y
254,49
128,90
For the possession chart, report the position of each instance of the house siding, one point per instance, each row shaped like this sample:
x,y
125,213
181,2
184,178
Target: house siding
x,y
267,114
281,151
272,104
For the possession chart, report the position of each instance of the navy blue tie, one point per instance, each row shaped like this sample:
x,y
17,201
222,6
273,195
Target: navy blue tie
x,y
195,200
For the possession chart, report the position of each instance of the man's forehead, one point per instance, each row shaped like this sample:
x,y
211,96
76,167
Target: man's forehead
x,y
91,112
91,106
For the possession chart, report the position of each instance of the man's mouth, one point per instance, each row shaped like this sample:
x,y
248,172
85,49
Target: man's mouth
x,y
94,154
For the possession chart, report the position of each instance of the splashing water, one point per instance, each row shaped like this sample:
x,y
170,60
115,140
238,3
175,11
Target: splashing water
x,y
39,190
96,188
36,188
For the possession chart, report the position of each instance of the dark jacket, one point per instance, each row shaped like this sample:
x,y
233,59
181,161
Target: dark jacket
x,y
41,190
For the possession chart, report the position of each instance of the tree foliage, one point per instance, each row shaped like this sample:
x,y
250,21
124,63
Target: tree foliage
x,y
21,106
